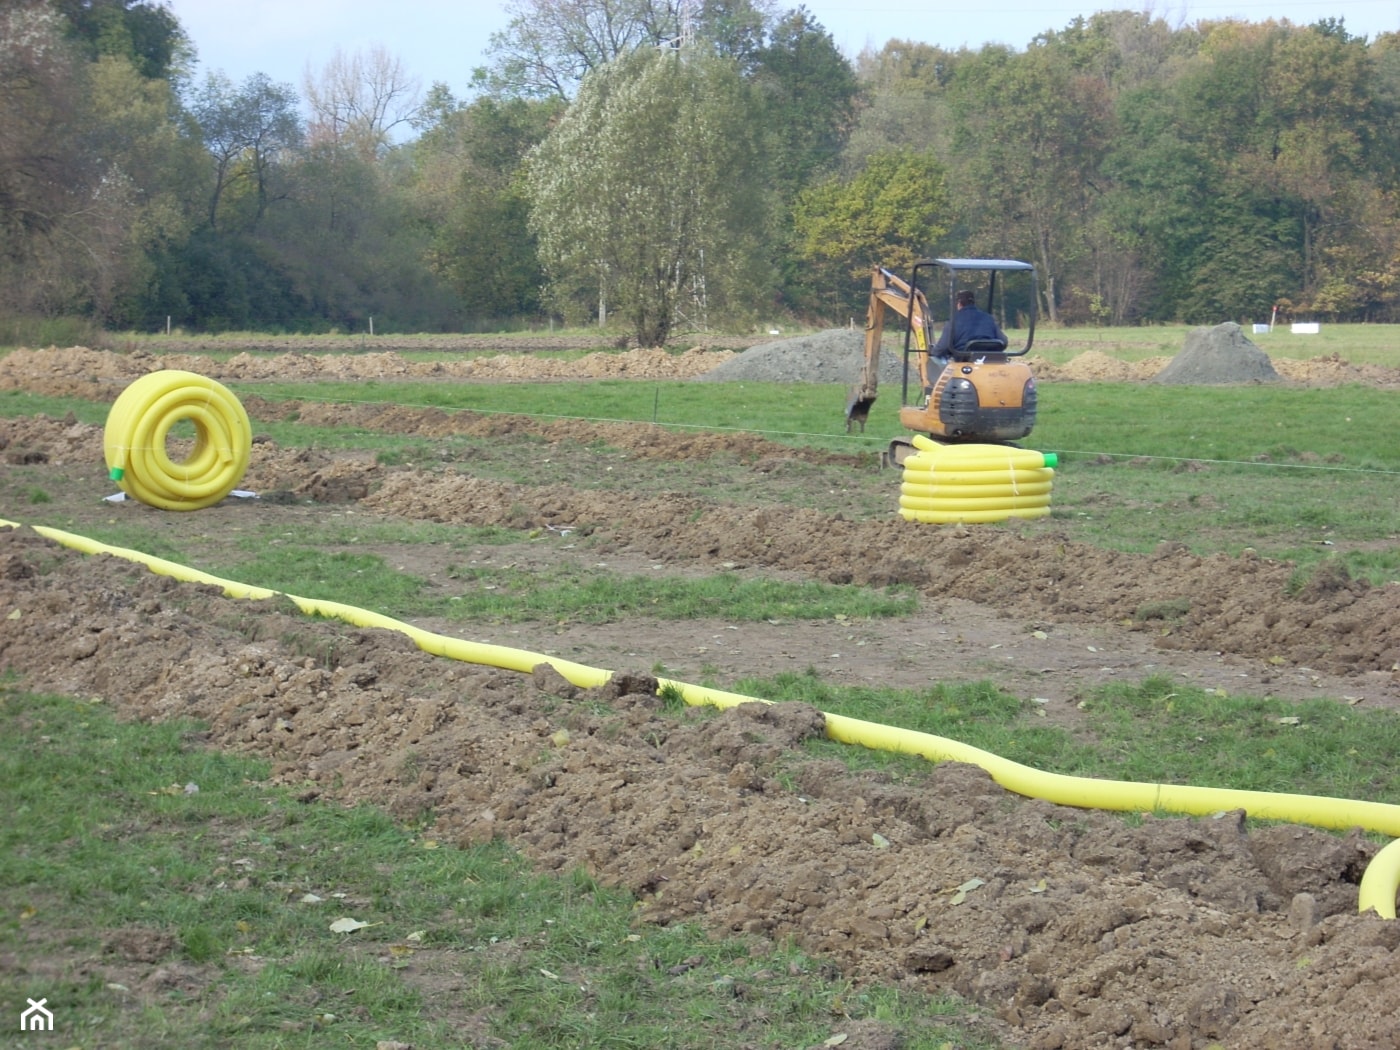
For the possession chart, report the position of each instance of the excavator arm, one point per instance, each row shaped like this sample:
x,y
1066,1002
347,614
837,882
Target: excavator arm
x,y
888,291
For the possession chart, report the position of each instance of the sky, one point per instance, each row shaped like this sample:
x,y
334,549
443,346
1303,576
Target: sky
x,y
443,40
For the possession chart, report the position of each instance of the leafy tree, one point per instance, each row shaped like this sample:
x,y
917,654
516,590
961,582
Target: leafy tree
x,y
92,170
648,196
1265,173
735,28
468,193
144,33
43,171
549,46
809,95
247,130
903,101
149,190
1031,134
888,215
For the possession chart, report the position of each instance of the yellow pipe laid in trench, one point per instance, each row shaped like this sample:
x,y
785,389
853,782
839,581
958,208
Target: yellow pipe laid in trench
x,y
1378,886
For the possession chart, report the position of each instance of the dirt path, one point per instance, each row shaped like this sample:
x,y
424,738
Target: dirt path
x,y
1073,928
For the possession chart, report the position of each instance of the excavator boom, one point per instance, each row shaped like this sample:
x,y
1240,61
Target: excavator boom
x,y
888,291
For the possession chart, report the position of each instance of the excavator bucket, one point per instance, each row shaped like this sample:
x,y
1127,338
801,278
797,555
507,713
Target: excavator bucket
x,y
858,404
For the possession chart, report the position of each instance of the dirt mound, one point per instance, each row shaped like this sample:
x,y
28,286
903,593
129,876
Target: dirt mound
x,y
84,372
1216,356
835,355
1094,366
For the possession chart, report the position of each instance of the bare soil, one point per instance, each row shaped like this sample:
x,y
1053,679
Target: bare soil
x,y
1085,930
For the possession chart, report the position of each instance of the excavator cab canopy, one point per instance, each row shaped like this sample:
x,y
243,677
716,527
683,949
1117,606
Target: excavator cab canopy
x,y
996,292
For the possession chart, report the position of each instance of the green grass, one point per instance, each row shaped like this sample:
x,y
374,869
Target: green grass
x,y
504,594
1292,473
1342,426
600,597
112,855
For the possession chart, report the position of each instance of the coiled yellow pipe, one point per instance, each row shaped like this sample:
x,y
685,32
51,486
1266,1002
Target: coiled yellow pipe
x,y
1378,887
957,490
138,425
949,484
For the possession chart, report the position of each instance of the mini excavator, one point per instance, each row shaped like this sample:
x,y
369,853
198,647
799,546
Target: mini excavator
x,y
981,393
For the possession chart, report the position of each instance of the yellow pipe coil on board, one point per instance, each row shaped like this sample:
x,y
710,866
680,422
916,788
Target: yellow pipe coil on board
x,y
1379,884
138,427
952,484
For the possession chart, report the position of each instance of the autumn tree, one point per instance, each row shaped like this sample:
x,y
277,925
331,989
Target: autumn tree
x,y
358,101
93,168
648,197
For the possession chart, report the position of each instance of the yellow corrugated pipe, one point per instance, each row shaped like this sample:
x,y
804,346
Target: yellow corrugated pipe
x,y
974,483
138,425
1378,886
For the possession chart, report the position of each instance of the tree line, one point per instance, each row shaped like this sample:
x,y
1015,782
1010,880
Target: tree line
x,y
665,167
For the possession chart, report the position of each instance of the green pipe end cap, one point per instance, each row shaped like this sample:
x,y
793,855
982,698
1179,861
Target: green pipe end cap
x,y
1051,459
116,473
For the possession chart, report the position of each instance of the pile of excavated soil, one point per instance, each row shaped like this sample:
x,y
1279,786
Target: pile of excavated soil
x,y
835,355
1218,355
831,356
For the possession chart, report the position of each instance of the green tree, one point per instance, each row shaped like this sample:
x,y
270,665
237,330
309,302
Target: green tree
x,y
149,190
1031,134
903,101
468,193
93,169
648,197
809,95
888,215
248,129
145,34
1251,172
549,46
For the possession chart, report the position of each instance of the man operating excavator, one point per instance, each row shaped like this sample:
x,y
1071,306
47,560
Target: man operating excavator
x,y
968,324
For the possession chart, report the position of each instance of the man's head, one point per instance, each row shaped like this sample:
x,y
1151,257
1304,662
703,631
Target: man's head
x,y
966,297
